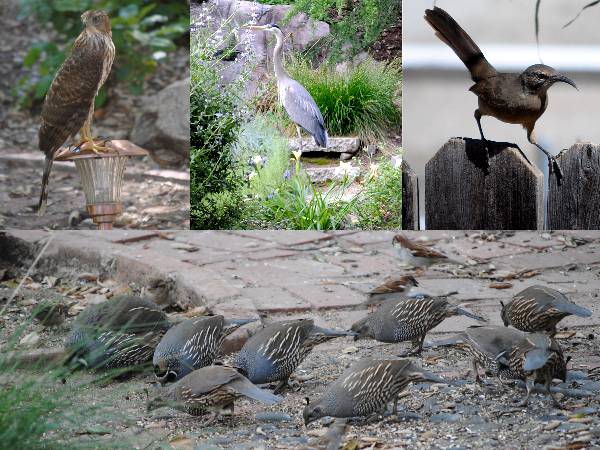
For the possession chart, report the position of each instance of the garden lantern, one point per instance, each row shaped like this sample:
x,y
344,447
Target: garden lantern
x,y
102,177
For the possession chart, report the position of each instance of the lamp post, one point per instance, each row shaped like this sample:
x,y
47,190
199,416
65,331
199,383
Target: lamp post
x,y
102,177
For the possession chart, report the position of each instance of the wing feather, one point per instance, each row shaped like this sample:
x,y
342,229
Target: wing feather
x,y
71,95
304,111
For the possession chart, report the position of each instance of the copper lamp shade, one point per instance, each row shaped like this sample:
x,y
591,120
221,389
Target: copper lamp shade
x,y
102,177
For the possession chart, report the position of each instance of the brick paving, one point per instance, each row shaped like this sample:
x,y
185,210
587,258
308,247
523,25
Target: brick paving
x,y
276,273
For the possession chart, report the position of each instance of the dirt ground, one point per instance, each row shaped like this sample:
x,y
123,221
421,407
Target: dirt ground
x,y
460,415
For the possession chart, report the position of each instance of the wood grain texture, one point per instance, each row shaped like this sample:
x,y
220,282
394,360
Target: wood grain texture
x,y
575,204
410,198
463,192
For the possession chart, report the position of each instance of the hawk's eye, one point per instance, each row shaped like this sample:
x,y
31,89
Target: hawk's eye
x,y
97,20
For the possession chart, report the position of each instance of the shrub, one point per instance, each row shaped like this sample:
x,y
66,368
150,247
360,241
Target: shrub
x,y
354,23
143,32
380,203
359,102
216,114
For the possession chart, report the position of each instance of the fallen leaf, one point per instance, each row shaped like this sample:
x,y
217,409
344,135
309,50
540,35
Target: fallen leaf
x,y
181,442
500,285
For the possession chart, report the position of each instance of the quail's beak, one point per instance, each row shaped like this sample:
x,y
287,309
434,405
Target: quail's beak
x,y
564,79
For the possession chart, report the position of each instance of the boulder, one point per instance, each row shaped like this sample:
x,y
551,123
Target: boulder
x,y
301,32
340,145
162,127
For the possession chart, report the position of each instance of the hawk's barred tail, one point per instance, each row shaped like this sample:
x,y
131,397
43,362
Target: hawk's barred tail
x,y
45,179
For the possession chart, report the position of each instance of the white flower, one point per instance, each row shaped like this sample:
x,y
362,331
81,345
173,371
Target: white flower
x,y
344,168
373,170
297,154
396,161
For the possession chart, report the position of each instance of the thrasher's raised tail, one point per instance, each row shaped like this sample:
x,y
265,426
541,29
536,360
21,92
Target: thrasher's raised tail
x,y
458,40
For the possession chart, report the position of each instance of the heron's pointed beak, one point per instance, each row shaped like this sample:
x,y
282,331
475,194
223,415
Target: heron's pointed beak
x,y
563,79
254,27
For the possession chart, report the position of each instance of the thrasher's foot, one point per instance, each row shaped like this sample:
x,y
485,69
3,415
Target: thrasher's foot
x,y
553,167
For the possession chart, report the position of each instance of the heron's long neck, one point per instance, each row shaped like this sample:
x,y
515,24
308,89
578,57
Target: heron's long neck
x,y
280,72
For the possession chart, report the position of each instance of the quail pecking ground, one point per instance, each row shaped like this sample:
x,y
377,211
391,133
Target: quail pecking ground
x,y
274,352
121,332
192,344
366,388
407,320
539,308
210,389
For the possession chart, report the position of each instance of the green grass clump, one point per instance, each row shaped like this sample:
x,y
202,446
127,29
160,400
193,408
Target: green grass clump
x,y
380,203
360,102
27,414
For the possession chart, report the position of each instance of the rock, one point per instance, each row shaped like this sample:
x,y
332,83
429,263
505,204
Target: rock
x,y
346,156
334,145
29,340
272,416
303,32
162,127
325,174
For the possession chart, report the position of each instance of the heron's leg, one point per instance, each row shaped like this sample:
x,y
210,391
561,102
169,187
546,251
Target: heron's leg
x,y
299,137
553,166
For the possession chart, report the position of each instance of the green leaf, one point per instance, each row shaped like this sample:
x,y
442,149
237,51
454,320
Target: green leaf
x,y
129,11
71,5
42,86
100,99
32,56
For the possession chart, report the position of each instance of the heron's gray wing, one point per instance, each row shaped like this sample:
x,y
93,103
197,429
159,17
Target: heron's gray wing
x,y
303,110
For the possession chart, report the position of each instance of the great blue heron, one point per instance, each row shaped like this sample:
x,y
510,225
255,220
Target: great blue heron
x,y
296,100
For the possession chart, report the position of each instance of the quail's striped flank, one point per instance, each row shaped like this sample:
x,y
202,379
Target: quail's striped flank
x,y
408,319
192,344
512,354
540,308
366,388
274,352
121,332
211,389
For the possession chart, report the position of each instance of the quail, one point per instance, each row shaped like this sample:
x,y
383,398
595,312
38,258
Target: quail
x,y
366,388
274,352
417,255
50,313
539,308
211,389
513,354
190,345
392,288
121,332
407,320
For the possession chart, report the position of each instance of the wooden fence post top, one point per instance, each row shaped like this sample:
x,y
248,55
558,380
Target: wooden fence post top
x,y
410,198
575,204
465,190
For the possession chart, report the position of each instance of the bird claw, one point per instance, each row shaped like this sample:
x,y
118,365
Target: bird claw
x,y
554,168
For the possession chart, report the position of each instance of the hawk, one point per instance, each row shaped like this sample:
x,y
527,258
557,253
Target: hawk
x,y
69,103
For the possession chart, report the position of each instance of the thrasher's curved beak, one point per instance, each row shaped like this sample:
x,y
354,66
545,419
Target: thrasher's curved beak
x,y
564,79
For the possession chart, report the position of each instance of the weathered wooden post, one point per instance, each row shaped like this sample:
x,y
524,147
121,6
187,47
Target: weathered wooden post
x,y
410,198
465,191
575,204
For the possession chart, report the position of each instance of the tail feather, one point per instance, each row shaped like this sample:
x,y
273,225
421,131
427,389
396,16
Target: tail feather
x,y
451,33
453,340
536,358
45,179
321,137
574,309
245,387
463,312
